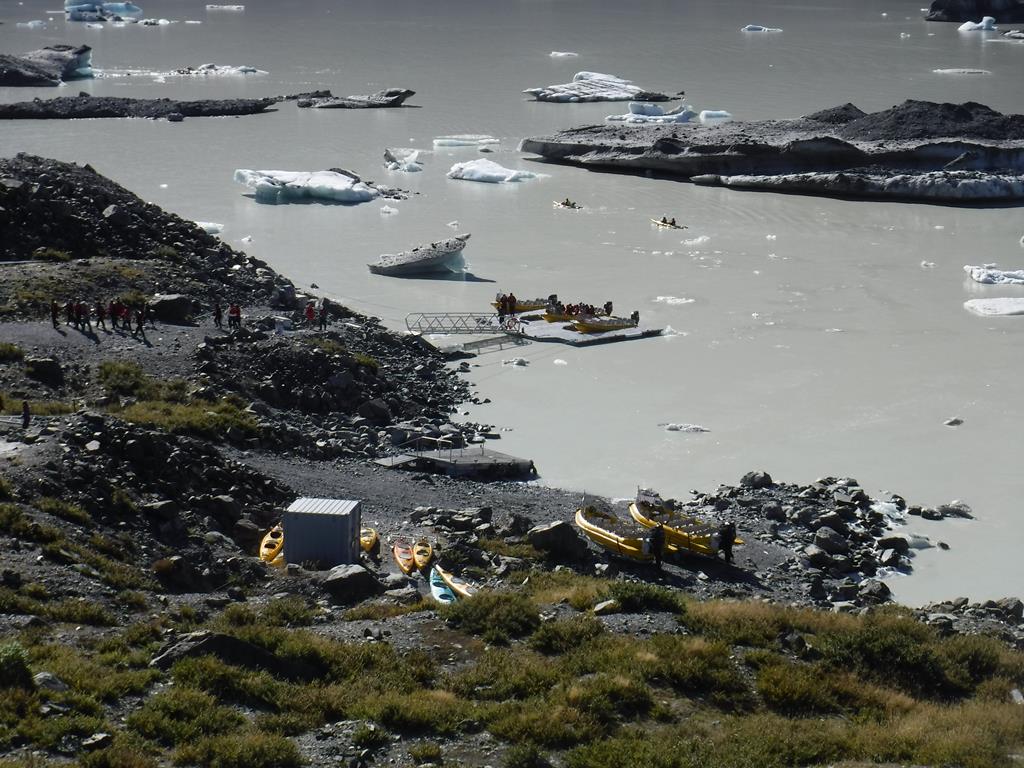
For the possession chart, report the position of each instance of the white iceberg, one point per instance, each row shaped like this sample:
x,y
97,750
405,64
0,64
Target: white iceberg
x,y
961,72
758,28
406,162
992,276
699,240
563,54
387,210
210,227
987,24
640,112
34,24
693,428
1003,307
225,7
489,172
712,116
465,140
292,186
594,86
214,70
673,300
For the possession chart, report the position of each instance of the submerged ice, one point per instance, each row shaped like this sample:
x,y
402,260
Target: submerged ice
x,y
294,186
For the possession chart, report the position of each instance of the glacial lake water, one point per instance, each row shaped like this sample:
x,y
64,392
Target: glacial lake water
x,y
810,339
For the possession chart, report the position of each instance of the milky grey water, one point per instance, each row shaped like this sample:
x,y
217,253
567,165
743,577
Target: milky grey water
x,y
809,339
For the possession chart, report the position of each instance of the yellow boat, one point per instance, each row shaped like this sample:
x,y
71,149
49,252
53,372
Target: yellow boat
x,y
554,317
525,305
681,532
591,324
272,547
402,552
604,528
422,554
369,541
459,586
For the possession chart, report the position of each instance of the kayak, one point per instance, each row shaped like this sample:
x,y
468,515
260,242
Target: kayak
x,y
439,590
570,206
369,541
666,225
272,547
422,554
681,532
459,586
402,552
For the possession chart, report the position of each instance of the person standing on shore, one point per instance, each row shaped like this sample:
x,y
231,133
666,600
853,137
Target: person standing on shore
x,y
310,314
235,317
657,541
140,322
112,312
69,313
727,536
323,315
101,318
218,315
54,312
26,414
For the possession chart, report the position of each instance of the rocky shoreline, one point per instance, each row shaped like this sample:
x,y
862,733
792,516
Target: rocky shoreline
x,y
922,151
85,106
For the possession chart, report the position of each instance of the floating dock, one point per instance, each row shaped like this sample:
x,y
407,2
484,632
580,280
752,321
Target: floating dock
x,y
475,461
565,333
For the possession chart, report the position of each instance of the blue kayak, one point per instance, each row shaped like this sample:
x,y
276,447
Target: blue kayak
x,y
440,591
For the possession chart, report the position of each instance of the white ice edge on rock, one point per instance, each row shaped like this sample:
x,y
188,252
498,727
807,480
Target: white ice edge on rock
x,y
1000,307
990,276
642,112
489,172
288,186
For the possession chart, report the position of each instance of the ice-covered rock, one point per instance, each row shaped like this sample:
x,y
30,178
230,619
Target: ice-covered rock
x,y
489,172
293,186
758,28
992,276
563,54
961,72
466,140
1001,307
595,86
47,66
640,112
987,24
385,99
210,227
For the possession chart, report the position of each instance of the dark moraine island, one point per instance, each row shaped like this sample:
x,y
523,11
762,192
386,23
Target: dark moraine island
x,y
85,106
918,150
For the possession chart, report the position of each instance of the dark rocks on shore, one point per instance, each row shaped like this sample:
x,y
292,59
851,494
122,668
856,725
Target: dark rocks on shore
x,y
915,151
1003,11
49,66
85,106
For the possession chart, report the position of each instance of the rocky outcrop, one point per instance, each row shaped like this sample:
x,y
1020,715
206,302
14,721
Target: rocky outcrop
x,y
85,106
1003,11
915,151
48,66
388,98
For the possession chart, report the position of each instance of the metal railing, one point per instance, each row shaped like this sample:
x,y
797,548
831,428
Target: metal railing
x,y
439,443
456,322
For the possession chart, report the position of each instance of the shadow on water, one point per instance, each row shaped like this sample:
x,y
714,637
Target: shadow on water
x,y
459,277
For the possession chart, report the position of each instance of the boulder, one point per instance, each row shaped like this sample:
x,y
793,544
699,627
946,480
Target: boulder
x,y
772,510
607,607
897,542
558,539
173,308
1012,607
49,682
376,411
831,541
45,369
230,650
116,215
756,480
97,741
874,591
350,583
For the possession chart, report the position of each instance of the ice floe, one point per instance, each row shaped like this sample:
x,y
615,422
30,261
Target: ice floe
x,y
758,28
712,116
225,7
594,86
563,54
518,362
694,241
640,112
987,24
34,24
963,71
406,161
489,172
387,210
673,300
694,428
1002,307
465,140
292,186
559,361
991,276
927,265
210,227
214,70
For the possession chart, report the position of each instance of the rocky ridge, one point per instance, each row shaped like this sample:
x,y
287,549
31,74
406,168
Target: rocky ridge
x,y
86,106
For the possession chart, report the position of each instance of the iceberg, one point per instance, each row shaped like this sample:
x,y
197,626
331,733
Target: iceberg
x,y
406,163
640,112
715,116
594,86
76,10
210,227
758,28
1003,307
563,54
673,300
225,7
692,428
294,186
961,72
489,172
465,140
987,24
214,70
34,24
991,276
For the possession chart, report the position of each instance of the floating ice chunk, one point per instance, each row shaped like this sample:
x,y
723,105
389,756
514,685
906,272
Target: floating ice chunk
x,y
225,7
192,21
465,140
559,361
699,240
156,22
711,116
594,86
694,428
956,421
519,362
213,70
94,26
758,28
990,276
453,224
563,54
673,300
1002,307
670,331
210,227
640,112
394,160
987,24
34,24
247,239
387,210
962,71
927,265
488,171
290,186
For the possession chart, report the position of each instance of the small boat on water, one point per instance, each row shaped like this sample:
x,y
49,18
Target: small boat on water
x,y
442,256
682,532
402,552
593,324
572,206
667,224
272,547
439,590
422,554
459,586
620,536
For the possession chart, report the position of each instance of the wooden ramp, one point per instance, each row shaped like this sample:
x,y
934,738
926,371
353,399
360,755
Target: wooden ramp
x,y
475,461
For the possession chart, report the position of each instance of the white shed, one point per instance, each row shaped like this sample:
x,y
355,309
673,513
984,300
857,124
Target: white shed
x,y
322,531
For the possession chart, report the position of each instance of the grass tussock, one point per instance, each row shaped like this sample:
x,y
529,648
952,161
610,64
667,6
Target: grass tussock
x,y
11,406
62,509
199,418
127,379
563,636
11,353
381,611
250,749
182,716
581,592
495,616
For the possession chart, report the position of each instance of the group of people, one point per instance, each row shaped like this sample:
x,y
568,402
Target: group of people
x,y
507,305
669,222
80,315
725,536
578,310
234,315
314,316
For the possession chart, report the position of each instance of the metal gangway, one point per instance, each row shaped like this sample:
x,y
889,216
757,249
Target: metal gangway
x,y
456,322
